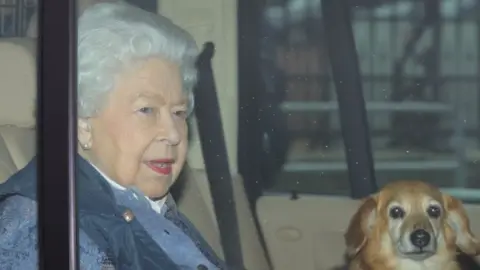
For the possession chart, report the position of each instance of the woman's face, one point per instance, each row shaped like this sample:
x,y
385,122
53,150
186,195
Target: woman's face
x,y
140,136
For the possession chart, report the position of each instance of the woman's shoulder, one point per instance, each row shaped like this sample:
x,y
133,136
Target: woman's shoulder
x,y
18,231
17,212
18,237
18,225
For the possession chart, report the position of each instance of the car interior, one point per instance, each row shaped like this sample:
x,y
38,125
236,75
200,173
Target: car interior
x,y
279,230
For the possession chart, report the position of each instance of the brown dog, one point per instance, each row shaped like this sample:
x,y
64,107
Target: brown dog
x,y
409,225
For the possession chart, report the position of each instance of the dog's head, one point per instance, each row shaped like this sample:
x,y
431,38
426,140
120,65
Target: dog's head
x,y
411,220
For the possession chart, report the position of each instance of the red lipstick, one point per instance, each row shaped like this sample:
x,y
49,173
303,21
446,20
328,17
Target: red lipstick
x,y
161,166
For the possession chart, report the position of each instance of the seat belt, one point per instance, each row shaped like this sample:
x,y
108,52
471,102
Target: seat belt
x,y
210,129
351,103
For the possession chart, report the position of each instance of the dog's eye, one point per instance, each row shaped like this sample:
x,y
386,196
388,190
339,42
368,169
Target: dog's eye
x,y
396,212
434,211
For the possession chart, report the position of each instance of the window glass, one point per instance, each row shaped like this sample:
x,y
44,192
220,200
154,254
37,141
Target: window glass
x,y
419,62
15,17
419,65
305,131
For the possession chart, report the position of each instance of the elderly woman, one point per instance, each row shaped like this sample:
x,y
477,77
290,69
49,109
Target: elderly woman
x,y
136,71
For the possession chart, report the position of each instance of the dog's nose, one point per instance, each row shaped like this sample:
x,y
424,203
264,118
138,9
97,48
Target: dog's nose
x,y
420,238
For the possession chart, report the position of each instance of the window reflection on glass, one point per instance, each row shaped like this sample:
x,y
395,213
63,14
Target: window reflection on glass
x,y
295,69
15,17
419,62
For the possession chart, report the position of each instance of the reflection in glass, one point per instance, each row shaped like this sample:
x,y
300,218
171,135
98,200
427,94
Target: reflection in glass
x,y
421,59
295,69
419,64
16,16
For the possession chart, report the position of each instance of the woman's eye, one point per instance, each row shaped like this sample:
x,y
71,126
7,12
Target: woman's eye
x,y
146,110
181,113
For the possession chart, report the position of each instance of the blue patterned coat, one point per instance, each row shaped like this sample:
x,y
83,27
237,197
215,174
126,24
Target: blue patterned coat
x,y
151,241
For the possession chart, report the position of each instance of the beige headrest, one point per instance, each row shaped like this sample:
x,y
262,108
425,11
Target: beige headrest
x,y
18,81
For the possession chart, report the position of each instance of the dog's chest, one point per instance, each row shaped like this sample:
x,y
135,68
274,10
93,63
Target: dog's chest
x,y
434,264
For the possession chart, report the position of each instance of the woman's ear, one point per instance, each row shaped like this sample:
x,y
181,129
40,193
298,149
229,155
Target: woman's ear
x,y
360,226
457,219
84,133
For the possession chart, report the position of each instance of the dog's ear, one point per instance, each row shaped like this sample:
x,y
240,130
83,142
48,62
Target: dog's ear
x,y
458,220
360,226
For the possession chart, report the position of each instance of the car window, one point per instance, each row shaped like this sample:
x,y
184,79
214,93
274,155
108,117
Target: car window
x,y
15,17
419,66
301,148
420,61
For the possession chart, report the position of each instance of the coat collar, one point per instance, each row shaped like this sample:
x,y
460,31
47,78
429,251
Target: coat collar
x,y
95,195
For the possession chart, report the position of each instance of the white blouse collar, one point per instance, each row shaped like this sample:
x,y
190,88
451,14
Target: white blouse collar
x,y
156,205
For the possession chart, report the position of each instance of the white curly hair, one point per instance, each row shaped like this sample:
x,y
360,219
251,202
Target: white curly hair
x,y
116,36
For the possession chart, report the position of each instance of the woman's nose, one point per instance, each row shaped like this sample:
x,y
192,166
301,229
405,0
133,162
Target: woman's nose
x,y
168,131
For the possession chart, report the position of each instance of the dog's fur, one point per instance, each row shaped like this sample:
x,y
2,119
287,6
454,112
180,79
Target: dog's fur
x,y
377,241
